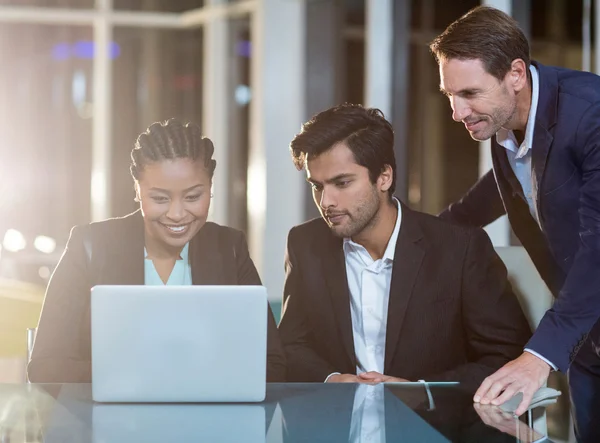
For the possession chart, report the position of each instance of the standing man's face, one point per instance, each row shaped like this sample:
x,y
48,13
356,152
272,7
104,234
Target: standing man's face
x,y
478,99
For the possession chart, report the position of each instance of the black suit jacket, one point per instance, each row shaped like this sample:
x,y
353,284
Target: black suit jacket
x,y
566,172
62,352
452,314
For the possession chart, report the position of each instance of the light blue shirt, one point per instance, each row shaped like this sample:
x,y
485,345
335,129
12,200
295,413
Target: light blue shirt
x,y
180,275
519,158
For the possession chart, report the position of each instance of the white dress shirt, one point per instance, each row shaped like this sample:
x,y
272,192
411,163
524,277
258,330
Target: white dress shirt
x,y
369,286
519,158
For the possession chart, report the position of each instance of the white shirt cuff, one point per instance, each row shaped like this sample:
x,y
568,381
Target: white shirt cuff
x,y
333,373
552,365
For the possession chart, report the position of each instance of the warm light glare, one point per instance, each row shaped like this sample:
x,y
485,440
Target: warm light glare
x,y
98,195
44,244
44,272
14,241
256,196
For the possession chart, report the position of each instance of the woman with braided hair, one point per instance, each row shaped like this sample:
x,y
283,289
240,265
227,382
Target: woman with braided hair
x,y
168,241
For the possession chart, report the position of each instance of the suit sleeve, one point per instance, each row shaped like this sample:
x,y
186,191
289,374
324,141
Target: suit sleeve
x,y
58,353
304,363
247,275
565,327
479,207
495,326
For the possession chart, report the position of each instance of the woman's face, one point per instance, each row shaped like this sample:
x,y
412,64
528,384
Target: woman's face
x,y
174,197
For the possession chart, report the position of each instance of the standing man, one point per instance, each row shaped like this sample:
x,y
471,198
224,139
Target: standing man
x,y
544,123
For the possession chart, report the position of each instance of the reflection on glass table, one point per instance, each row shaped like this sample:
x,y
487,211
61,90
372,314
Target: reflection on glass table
x,y
291,413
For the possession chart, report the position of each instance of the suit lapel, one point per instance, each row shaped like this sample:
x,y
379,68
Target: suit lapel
x,y
337,282
502,167
546,116
125,264
542,141
408,258
205,258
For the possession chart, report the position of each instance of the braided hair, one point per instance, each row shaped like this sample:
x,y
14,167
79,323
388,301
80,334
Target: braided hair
x,y
170,140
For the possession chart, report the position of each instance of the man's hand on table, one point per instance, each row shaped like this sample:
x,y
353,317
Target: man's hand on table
x,y
525,374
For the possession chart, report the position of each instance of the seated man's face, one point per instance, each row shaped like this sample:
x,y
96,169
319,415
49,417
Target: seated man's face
x,y
343,192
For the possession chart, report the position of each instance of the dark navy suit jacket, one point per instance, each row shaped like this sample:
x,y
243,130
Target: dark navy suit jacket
x,y
566,171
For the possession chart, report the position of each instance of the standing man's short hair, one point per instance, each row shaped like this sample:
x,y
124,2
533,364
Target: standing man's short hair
x,y
487,34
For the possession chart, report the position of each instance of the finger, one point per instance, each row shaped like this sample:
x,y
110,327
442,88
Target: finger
x,y
376,380
490,380
509,392
494,391
369,375
527,396
484,388
366,379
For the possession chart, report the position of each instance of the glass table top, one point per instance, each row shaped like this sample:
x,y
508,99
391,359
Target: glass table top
x,y
292,412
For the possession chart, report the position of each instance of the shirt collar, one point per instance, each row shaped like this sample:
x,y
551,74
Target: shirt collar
x,y
390,249
506,138
183,254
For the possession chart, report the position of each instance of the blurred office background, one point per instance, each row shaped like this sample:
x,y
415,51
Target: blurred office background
x,y
80,79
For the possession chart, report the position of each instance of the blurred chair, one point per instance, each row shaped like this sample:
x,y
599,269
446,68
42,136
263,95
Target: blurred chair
x,y
535,299
532,292
30,342
20,307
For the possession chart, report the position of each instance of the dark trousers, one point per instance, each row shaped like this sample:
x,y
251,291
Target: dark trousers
x,y
584,384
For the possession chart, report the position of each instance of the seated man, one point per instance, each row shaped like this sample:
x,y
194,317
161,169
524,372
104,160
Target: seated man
x,y
375,291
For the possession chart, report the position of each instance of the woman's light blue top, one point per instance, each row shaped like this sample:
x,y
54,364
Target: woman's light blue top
x,y
180,275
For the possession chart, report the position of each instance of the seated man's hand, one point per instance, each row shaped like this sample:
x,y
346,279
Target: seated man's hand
x,y
343,378
526,374
376,377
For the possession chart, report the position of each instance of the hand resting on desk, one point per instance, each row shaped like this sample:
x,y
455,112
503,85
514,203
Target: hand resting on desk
x,y
376,377
371,378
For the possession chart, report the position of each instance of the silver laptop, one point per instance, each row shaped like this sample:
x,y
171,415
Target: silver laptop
x,y
179,343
